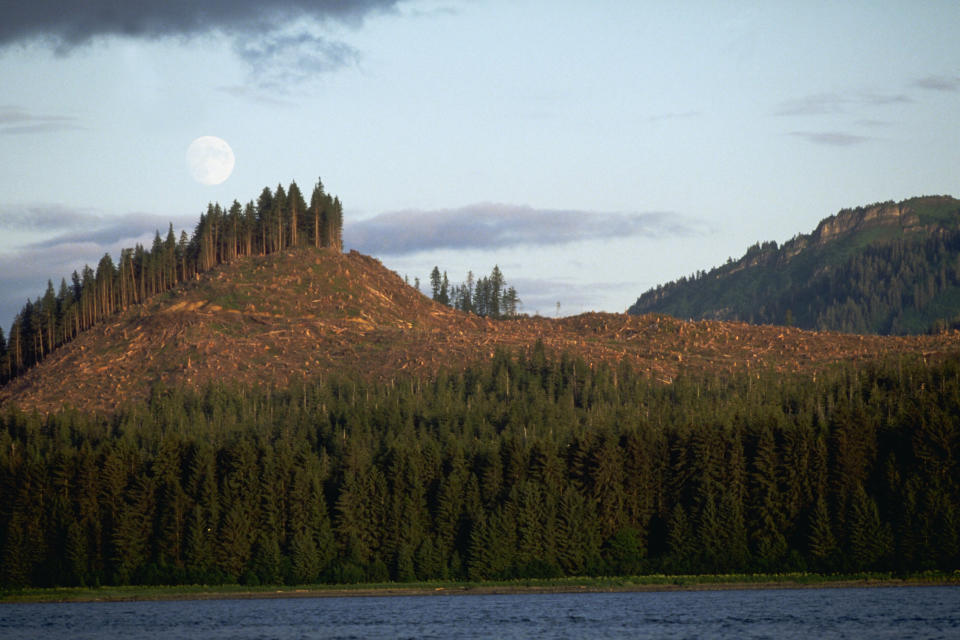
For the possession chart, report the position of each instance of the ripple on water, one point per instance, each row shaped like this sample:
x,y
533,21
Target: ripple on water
x,y
903,612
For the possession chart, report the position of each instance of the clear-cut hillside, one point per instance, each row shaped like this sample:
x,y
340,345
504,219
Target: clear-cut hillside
x,y
310,312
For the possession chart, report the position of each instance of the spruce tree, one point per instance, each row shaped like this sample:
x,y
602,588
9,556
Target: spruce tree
x,y
435,284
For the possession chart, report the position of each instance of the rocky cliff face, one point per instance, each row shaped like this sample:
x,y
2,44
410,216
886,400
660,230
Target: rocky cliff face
x,y
861,219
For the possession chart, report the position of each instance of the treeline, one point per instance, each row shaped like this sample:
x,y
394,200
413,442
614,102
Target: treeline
x,y
277,220
489,296
907,286
528,466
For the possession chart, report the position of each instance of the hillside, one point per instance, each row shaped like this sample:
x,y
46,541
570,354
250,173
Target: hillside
x,y
306,312
279,219
887,268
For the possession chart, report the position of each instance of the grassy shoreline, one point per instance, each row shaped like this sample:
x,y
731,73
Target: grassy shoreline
x,y
434,588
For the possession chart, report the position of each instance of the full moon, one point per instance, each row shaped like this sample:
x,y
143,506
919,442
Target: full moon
x,y
210,160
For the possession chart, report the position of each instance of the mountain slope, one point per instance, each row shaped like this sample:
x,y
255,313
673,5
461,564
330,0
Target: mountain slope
x,y
888,268
308,312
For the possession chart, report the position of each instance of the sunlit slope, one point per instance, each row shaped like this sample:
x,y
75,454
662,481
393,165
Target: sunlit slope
x,y
310,312
889,268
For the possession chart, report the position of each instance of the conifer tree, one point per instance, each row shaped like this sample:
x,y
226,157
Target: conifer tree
x,y
296,207
822,543
4,362
681,541
435,284
335,222
318,214
444,290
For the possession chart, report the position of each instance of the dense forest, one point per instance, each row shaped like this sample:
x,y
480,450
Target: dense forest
x,y
489,296
532,464
277,220
864,282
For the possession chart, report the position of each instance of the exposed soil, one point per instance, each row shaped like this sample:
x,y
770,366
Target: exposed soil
x,y
307,312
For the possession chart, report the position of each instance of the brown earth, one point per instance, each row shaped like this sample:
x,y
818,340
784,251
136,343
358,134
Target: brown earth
x,y
307,312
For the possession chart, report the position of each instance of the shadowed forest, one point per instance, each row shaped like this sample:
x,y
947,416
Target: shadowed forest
x,y
530,465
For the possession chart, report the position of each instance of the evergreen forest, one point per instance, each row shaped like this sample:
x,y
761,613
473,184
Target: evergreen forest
x,y
532,464
878,280
277,220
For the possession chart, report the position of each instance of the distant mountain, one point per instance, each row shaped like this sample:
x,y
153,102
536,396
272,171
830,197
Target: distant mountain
x,y
886,268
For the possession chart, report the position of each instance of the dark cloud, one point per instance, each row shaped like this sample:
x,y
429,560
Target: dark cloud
x,y
939,83
493,226
67,26
830,138
277,39
16,121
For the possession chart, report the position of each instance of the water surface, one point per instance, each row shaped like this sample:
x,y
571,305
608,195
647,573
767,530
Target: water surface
x,y
900,612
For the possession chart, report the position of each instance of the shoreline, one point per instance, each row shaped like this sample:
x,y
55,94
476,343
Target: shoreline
x,y
662,584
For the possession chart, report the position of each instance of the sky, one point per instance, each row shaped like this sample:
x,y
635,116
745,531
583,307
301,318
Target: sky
x,y
591,150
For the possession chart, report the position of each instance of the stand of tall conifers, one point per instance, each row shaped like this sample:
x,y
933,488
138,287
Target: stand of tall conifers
x,y
529,465
277,220
489,296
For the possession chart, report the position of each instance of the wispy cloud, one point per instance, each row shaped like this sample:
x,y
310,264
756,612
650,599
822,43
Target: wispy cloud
x,y
831,138
44,217
278,60
59,224
17,121
24,273
811,105
678,115
831,103
426,10
255,94
872,122
539,296
128,228
491,226
883,99
64,239
938,83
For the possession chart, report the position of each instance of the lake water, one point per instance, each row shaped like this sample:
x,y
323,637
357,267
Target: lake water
x,y
902,612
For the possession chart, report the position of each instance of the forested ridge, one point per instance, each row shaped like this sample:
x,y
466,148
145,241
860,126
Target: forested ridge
x,y
894,271
531,464
277,220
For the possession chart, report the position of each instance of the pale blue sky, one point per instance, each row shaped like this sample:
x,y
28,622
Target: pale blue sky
x,y
592,150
